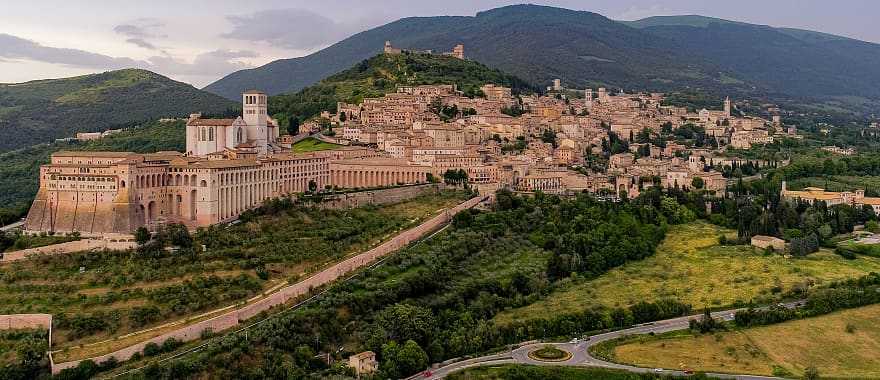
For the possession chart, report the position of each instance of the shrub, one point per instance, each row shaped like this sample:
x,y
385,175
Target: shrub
x,y
152,349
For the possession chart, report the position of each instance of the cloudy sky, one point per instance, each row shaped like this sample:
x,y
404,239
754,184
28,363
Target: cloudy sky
x,y
199,41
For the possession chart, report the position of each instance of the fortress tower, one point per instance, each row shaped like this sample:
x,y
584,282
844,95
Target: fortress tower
x,y
727,106
458,51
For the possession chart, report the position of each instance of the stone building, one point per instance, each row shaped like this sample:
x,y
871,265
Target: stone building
x,y
231,165
254,127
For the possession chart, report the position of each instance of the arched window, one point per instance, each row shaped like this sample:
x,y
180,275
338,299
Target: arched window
x,y
122,184
202,138
211,134
239,138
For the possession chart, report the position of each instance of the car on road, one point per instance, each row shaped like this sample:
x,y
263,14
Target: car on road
x,y
688,371
658,369
573,341
427,374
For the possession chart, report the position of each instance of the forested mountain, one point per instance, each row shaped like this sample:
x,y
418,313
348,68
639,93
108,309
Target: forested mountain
x,y
382,74
40,111
539,43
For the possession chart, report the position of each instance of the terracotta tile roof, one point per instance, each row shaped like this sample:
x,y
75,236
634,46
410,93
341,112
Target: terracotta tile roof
x,y
211,122
82,153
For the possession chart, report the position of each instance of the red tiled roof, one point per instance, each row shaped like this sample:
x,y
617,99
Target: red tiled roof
x,y
211,122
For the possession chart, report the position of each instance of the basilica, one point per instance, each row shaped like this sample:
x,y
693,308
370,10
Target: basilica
x,y
230,165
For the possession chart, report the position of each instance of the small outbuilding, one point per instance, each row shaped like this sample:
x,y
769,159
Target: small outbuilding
x,y
767,242
363,363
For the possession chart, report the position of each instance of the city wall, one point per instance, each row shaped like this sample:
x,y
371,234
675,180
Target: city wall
x,y
236,317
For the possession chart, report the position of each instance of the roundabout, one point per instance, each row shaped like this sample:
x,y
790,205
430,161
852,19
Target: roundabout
x,y
549,353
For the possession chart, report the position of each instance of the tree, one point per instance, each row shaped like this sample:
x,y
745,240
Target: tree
x,y
313,186
179,235
293,126
342,117
141,235
697,183
411,358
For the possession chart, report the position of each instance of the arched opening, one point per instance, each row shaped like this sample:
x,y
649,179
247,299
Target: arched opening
x,y
150,212
122,184
203,184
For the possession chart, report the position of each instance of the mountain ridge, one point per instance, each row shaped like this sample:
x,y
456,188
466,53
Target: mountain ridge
x,y
538,43
43,110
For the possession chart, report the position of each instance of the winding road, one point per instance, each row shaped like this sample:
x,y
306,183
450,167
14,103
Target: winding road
x,y
580,351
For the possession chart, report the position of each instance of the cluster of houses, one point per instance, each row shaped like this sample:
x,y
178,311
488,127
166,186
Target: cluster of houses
x,y
543,142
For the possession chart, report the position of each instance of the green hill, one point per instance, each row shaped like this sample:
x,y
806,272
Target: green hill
x,y
538,44
20,169
41,111
382,74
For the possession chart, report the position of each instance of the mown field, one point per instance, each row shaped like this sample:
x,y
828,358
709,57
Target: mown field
x,y
844,344
98,295
690,266
313,145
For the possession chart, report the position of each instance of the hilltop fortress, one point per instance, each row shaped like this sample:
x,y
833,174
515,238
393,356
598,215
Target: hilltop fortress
x,y
230,165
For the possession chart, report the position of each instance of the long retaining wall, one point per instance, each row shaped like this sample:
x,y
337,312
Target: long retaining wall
x,y
377,197
235,317
68,247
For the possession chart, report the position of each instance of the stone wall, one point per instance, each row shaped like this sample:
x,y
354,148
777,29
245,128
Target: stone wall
x,y
25,321
377,197
72,246
302,288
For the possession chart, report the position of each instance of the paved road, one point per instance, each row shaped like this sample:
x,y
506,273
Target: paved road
x,y
581,354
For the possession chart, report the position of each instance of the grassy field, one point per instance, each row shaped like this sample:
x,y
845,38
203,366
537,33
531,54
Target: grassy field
x,y
510,372
838,183
844,344
99,295
310,144
690,266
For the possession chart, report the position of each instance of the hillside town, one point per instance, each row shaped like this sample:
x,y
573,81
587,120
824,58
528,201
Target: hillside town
x,y
613,144
610,144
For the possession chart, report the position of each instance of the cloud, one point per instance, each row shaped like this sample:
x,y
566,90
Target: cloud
x,y
217,62
212,63
15,48
142,43
138,31
288,28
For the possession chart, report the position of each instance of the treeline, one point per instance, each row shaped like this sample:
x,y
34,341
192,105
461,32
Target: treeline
x,y
835,296
756,208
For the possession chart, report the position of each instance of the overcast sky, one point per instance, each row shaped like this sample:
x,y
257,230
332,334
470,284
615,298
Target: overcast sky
x,y
199,41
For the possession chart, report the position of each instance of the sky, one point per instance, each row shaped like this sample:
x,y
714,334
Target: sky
x,y
200,41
